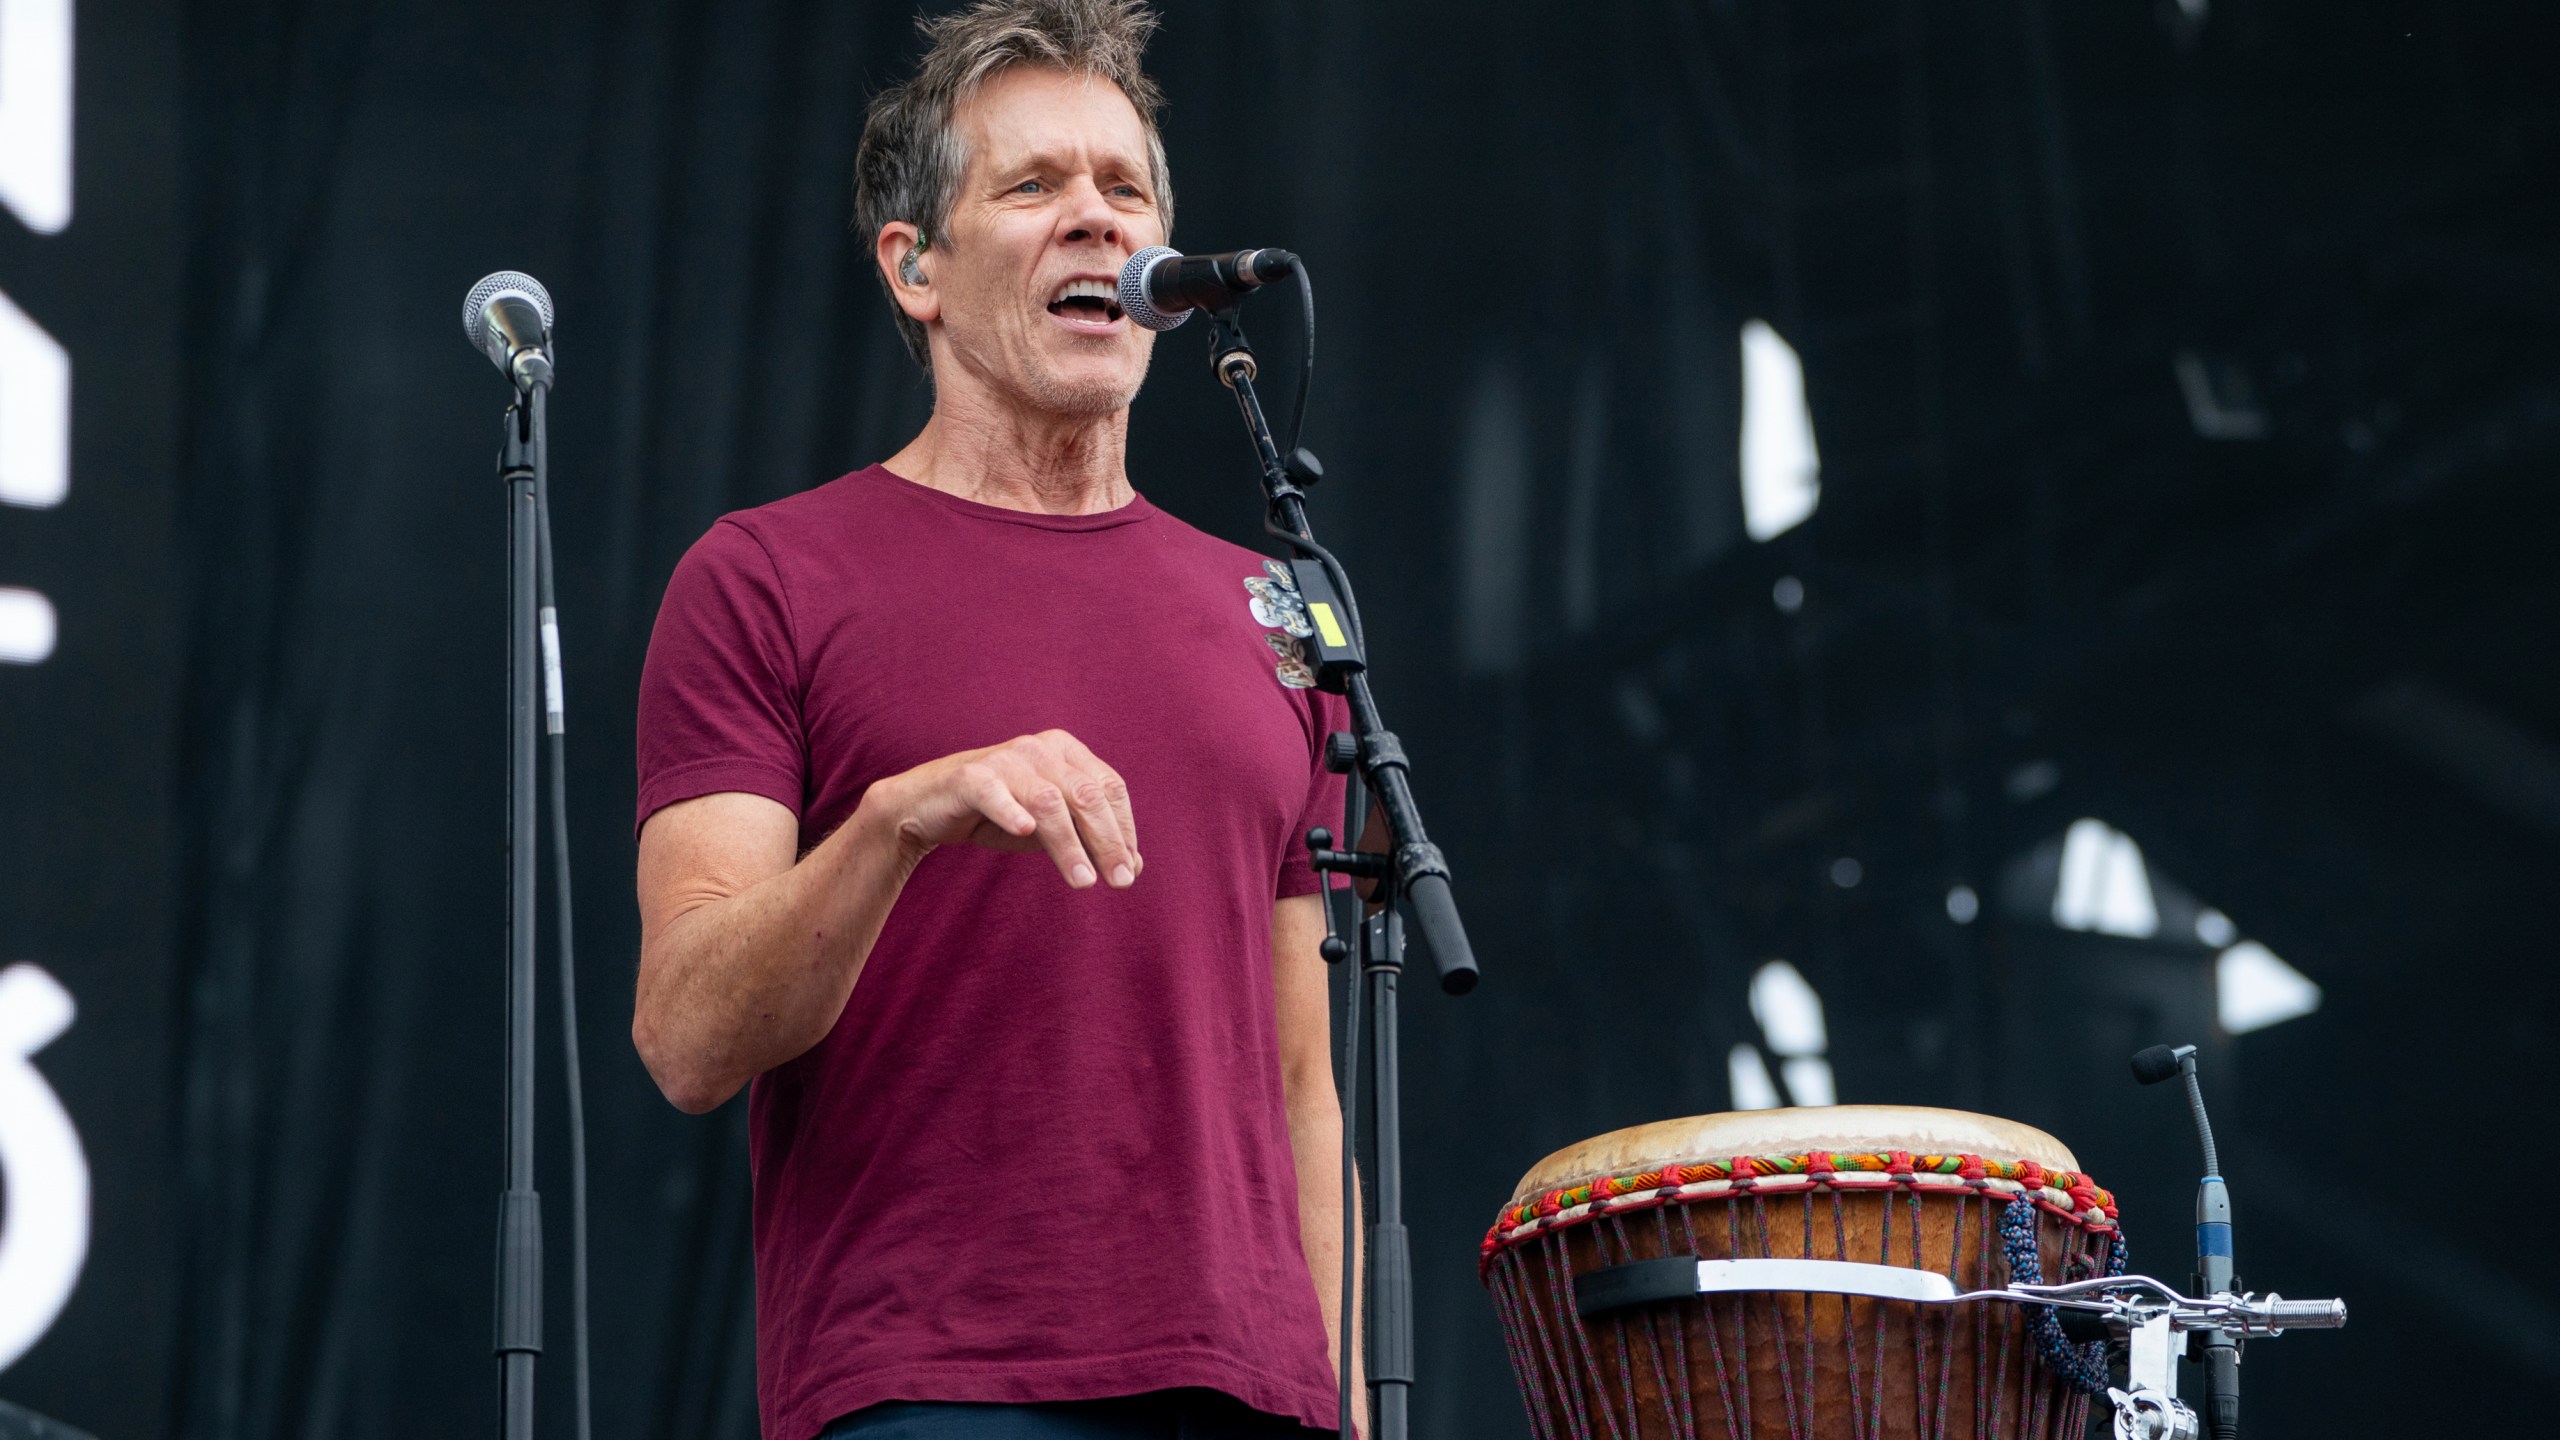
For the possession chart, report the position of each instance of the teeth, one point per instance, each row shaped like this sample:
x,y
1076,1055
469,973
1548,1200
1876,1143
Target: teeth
x,y
1102,290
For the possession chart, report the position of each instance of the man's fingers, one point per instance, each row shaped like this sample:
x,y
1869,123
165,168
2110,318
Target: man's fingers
x,y
1100,824
1116,791
1049,790
993,798
1057,830
1113,796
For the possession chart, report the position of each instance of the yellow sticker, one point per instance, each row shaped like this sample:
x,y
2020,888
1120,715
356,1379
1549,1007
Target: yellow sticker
x,y
1327,626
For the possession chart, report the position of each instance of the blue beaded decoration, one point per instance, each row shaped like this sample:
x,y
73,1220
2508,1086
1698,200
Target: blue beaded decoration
x,y
2083,1367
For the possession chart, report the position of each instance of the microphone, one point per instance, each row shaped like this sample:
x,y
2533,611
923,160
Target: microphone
x,y
507,317
2156,1064
2213,1199
2214,1260
1161,286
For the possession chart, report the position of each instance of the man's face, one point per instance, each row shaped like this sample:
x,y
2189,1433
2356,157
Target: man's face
x,y
1057,194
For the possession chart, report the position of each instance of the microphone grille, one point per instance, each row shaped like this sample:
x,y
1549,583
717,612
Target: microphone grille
x,y
503,282
1133,289
2155,1064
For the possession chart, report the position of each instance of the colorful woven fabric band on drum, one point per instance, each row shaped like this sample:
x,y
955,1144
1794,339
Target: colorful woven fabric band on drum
x,y
2065,1193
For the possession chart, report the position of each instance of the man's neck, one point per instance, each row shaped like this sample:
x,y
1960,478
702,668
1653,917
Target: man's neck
x,y
1020,459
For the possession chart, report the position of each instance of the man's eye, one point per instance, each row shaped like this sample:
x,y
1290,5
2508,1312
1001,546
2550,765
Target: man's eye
x,y
1028,187
1125,192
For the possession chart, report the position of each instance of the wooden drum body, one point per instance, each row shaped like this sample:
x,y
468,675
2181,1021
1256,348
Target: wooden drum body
x,y
1979,1200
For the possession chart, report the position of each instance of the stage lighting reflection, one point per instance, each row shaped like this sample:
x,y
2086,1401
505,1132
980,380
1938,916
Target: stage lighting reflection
x,y
2105,886
1809,1082
2254,989
1748,1074
2215,928
1781,469
1789,1012
27,626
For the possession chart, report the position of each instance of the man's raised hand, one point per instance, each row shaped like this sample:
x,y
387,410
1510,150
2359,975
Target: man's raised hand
x,y
1035,792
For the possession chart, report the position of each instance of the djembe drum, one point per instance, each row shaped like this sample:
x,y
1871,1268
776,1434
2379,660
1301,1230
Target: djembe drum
x,y
1984,1202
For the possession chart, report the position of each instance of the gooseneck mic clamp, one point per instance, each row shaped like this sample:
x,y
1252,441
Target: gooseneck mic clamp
x,y
2213,1241
1411,880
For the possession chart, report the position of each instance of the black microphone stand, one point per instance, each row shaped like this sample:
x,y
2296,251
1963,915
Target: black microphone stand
x,y
521,465
1411,878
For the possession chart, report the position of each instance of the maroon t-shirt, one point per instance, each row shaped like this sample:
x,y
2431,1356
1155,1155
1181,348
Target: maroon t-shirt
x,y
1044,1153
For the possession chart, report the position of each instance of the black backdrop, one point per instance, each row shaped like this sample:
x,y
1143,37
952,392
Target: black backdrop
x,y
259,785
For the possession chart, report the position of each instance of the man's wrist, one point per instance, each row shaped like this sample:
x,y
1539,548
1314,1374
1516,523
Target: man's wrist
x,y
883,826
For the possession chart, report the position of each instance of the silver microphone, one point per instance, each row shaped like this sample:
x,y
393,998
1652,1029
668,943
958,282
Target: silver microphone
x,y
507,317
1160,286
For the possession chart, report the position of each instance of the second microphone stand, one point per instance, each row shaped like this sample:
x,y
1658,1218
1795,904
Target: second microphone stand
x,y
521,463
1412,879
536,715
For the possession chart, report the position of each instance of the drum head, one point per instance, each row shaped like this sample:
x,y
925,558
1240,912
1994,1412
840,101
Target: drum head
x,y
1839,1129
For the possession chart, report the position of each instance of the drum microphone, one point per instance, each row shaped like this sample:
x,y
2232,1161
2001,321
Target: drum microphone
x,y
2156,1064
2213,1200
1161,286
2213,1239
507,317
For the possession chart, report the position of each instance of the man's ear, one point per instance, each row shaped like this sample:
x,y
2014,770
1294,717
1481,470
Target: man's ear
x,y
905,259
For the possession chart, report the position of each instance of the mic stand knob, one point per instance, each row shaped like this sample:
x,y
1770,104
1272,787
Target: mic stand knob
x,y
2150,1409
2145,1414
1341,753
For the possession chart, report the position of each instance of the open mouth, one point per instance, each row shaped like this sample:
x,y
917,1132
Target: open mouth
x,y
1089,302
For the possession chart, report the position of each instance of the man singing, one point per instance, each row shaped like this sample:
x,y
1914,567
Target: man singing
x,y
1045,1136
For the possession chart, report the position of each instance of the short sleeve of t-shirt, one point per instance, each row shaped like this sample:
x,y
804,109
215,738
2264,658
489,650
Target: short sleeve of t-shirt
x,y
720,691
1323,807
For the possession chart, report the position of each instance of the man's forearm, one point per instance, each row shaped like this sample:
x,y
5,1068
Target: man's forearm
x,y
1315,1140
746,958
736,985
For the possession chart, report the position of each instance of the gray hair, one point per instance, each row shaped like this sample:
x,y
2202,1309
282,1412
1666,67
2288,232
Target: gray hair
x,y
911,159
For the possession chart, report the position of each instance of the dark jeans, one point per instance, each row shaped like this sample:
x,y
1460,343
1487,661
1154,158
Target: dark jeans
x,y
1162,1415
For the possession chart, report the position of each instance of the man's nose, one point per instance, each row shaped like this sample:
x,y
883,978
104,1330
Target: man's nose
x,y
1089,216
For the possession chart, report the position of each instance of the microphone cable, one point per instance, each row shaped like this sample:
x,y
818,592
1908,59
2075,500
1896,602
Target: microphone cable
x,y
1297,428
555,726
1355,817
1306,357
